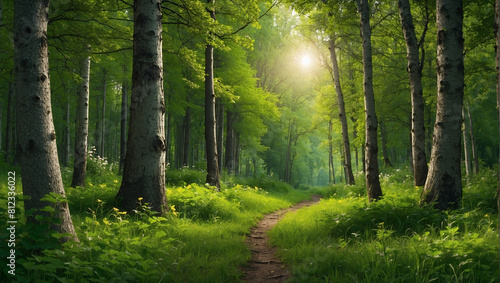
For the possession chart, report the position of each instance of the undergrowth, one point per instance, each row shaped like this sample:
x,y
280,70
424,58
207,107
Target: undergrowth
x,y
200,239
345,239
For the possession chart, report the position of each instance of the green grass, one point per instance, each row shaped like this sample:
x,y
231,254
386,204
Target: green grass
x,y
345,239
201,239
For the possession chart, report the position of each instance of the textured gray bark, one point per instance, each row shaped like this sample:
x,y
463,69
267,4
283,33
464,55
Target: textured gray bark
x,y
82,126
342,114
210,122
374,191
444,184
144,172
417,102
36,143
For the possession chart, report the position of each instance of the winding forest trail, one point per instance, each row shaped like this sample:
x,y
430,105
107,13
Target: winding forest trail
x,y
264,265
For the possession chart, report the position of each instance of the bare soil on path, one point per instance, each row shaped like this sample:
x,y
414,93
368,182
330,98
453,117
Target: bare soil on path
x,y
264,265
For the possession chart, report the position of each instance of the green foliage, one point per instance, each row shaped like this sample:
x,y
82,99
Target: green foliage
x,y
345,239
203,231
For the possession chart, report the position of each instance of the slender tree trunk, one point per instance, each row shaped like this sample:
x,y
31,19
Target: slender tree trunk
x,y
144,172
230,142
123,122
220,131
237,154
103,115
82,126
81,132
465,130
497,65
331,169
374,191
36,145
67,148
342,114
417,102
444,183
210,122
383,137
168,137
475,158
187,138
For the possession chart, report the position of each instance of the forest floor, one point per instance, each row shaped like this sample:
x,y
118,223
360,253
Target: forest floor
x,y
264,265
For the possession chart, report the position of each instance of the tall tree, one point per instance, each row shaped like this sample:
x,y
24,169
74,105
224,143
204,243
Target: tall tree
x,y
342,114
374,191
210,122
82,126
444,183
144,172
36,143
497,65
417,102
123,122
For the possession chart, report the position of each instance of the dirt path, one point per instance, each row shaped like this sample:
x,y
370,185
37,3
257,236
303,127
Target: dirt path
x,y
264,265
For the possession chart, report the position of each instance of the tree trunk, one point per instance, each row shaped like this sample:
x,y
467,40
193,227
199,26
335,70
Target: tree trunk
x,y
67,134
168,135
82,126
36,144
187,138
374,191
444,184
497,65
144,172
103,116
331,169
237,154
123,122
465,130
475,158
417,102
342,114
210,122
383,137
220,131
230,143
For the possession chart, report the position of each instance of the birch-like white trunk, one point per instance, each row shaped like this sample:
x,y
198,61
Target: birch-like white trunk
x,y
444,183
82,125
374,191
36,136
144,171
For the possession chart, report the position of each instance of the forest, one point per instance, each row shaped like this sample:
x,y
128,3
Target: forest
x,y
146,141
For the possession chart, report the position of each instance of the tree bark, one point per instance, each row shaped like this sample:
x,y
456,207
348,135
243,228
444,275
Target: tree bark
x,y
374,191
444,184
210,122
82,126
342,114
36,143
417,102
123,122
144,172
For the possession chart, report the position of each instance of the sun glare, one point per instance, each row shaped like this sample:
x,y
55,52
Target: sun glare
x,y
306,61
